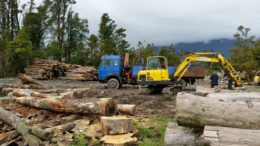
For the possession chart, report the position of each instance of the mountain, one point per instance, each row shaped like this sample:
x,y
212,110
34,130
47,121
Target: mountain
x,y
223,46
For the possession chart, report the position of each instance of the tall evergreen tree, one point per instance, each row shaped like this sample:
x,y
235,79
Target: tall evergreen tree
x,y
76,34
111,39
59,10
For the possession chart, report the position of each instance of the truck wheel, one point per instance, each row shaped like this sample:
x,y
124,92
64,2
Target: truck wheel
x,y
113,84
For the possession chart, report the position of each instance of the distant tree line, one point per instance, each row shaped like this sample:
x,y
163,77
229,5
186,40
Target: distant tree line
x,y
246,57
53,30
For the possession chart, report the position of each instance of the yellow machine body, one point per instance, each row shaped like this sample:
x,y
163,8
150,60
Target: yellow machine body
x,y
156,70
257,78
158,74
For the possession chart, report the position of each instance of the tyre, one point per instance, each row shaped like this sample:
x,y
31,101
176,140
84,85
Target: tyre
x,y
113,83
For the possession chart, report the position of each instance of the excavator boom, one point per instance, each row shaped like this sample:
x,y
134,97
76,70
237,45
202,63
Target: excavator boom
x,y
206,57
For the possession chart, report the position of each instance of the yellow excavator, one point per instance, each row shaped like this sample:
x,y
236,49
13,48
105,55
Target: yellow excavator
x,y
156,75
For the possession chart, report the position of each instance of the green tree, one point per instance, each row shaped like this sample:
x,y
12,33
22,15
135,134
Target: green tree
x,y
242,58
256,55
18,52
36,24
171,56
59,10
143,51
242,38
111,39
76,35
93,52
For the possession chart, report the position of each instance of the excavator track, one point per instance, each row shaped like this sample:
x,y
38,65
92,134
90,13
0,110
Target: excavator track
x,y
172,90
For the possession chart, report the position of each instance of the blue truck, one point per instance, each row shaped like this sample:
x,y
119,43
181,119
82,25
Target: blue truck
x,y
116,72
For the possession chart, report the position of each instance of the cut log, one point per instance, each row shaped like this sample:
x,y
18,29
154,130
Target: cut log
x,y
119,140
74,93
198,111
233,96
64,127
25,130
223,136
26,79
4,137
7,90
129,109
116,125
179,136
103,106
27,92
6,100
30,86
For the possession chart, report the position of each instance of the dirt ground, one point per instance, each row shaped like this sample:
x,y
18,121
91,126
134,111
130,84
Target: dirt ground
x,y
155,104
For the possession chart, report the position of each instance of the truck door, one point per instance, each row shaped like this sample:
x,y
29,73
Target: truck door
x,y
105,69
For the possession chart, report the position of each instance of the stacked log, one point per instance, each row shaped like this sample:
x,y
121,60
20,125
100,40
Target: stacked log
x,y
81,73
51,69
224,118
46,69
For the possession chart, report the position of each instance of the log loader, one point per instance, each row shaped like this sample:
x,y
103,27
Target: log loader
x,y
155,76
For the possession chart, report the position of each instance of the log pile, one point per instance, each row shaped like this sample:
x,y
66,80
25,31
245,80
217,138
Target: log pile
x,y
44,116
81,73
225,118
51,69
46,69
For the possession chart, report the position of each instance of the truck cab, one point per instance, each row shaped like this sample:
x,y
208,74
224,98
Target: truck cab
x,y
114,72
110,70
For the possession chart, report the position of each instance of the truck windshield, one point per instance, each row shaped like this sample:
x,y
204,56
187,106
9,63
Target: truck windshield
x,y
107,63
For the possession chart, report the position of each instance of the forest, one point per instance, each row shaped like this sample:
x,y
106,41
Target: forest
x,y
53,30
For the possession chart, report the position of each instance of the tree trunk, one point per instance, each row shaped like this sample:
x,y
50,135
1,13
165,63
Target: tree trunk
x,y
63,127
233,96
4,137
104,106
198,111
223,136
25,130
26,79
27,92
129,109
179,136
116,125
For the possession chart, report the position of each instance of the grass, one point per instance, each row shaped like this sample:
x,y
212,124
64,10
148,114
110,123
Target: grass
x,y
151,132
79,140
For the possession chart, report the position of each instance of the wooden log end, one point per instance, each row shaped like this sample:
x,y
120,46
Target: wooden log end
x,y
107,106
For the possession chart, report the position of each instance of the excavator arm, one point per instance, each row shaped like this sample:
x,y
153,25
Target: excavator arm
x,y
206,57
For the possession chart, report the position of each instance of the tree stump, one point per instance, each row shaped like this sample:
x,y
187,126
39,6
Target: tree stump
x,y
116,125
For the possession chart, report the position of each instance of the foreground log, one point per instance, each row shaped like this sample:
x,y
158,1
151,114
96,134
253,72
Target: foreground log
x,y
103,106
129,109
223,136
179,136
26,79
198,111
234,96
119,140
63,127
31,134
4,137
116,125
74,93
27,92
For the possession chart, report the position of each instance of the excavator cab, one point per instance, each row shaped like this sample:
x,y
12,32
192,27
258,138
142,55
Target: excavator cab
x,y
156,71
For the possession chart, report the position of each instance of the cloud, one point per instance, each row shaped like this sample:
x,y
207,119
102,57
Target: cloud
x,y
170,21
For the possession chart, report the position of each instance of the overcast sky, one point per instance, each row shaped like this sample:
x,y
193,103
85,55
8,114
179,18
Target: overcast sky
x,y
163,22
